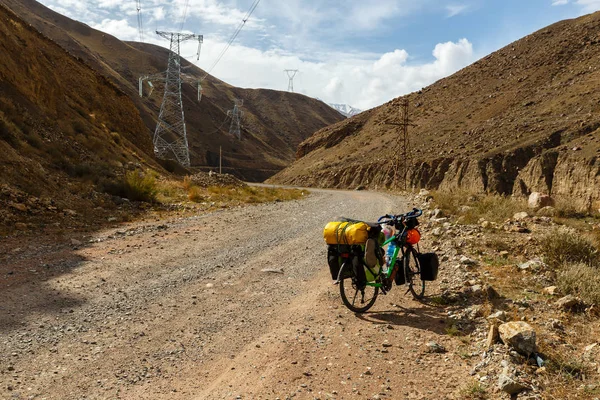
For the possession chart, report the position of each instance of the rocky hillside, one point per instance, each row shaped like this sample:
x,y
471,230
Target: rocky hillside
x,y
522,119
274,123
64,128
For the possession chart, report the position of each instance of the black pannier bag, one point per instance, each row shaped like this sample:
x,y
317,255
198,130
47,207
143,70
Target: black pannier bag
x,y
429,264
336,256
400,279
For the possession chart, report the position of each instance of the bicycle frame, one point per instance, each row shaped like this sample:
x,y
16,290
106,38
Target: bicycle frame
x,y
392,270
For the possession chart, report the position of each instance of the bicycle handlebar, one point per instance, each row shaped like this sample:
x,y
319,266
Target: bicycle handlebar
x,y
389,219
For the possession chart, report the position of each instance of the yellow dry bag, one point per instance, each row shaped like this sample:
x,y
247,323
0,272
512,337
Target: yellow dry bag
x,y
346,233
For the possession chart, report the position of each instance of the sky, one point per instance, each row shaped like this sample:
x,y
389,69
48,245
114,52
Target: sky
x,y
357,52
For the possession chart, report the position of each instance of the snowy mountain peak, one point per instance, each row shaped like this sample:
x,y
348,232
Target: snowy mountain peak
x,y
345,109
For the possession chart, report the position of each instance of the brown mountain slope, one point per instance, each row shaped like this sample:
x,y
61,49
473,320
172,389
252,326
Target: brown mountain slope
x,y
62,127
508,123
274,122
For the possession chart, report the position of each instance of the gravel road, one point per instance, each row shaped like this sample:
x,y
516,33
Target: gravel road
x,y
233,304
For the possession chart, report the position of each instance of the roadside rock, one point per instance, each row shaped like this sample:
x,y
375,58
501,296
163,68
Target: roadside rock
x,y
568,302
433,347
520,216
539,200
551,290
498,316
464,260
519,335
493,336
534,264
507,383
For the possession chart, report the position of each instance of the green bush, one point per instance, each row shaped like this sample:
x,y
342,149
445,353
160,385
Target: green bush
x,y
141,187
581,280
136,186
561,247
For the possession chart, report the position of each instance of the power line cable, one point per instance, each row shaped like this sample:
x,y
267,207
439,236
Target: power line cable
x,y
185,10
140,20
235,34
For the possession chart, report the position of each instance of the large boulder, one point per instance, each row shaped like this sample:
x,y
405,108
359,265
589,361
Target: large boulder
x,y
519,335
539,200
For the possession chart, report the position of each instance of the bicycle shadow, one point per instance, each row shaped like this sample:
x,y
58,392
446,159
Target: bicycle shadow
x,y
424,317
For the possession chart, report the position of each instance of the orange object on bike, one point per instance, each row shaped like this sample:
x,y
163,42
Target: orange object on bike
x,y
413,236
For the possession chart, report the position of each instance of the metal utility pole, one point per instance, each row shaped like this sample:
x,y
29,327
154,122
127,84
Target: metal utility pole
x,y
402,155
291,73
236,116
170,137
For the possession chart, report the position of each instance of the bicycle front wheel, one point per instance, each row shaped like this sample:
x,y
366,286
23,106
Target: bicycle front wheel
x,y
355,298
412,271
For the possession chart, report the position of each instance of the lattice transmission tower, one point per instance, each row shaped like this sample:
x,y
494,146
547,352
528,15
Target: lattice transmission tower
x,y
170,137
402,158
291,73
236,116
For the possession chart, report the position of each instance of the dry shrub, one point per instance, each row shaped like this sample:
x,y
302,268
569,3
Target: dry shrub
x,y
561,247
474,207
187,183
581,280
196,194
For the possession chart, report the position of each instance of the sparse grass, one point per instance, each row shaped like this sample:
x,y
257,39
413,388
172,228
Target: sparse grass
x,y
472,208
568,367
562,246
251,195
474,391
452,330
581,280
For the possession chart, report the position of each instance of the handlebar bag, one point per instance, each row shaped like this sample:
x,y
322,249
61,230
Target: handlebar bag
x,y
348,233
429,263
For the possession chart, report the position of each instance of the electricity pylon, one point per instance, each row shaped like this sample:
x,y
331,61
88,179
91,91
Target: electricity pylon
x,y
402,155
170,137
291,73
236,116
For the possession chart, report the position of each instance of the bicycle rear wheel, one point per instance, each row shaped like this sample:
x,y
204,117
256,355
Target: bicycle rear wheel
x,y
412,271
357,299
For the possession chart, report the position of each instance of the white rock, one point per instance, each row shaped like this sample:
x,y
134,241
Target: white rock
x,y
464,260
569,301
534,264
551,290
499,315
539,200
519,335
520,216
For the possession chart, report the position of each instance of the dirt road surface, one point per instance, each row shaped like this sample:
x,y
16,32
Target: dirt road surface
x,y
183,308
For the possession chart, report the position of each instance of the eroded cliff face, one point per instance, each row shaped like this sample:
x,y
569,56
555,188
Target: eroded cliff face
x,y
563,170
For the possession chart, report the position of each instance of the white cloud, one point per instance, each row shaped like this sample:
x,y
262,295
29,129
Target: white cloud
x,y
118,28
587,6
356,79
296,34
456,9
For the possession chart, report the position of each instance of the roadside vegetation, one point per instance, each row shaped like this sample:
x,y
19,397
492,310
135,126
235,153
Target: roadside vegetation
x,y
544,268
